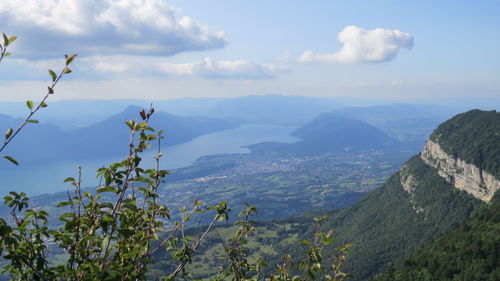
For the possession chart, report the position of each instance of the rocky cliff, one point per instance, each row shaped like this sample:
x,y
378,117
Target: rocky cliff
x,y
462,175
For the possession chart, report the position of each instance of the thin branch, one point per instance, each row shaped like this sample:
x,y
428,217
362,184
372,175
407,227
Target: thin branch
x,y
193,250
49,92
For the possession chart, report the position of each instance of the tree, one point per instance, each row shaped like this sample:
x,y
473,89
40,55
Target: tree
x,y
112,233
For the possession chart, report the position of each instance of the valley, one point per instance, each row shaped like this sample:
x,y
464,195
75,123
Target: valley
x,y
348,169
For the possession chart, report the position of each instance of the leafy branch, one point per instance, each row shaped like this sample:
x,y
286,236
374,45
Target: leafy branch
x,y
6,42
10,134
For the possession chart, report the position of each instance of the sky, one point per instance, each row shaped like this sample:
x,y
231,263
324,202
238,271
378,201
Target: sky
x,y
156,49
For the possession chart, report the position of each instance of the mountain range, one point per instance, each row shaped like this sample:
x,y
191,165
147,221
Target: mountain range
x,y
47,142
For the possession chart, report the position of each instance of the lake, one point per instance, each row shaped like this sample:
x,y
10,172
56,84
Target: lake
x,y
48,178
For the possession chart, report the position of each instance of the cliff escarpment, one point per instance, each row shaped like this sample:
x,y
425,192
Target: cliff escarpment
x,y
465,150
462,175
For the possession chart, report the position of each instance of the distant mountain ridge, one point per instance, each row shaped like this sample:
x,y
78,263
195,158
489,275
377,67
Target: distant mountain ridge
x,y
404,121
110,137
274,109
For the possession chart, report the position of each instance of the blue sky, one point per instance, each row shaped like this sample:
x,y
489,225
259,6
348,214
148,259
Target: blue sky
x,y
155,49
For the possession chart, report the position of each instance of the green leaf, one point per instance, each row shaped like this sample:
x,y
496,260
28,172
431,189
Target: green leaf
x,y
30,105
327,241
11,159
62,204
64,216
318,257
106,189
53,75
105,243
33,121
69,179
67,70
51,91
107,205
7,54
130,124
11,39
5,40
70,59
43,104
8,133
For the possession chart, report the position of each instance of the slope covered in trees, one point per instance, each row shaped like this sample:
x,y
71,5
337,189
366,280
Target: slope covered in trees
x,y
470,251
390,222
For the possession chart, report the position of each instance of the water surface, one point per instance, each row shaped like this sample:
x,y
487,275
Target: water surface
x,y
47,178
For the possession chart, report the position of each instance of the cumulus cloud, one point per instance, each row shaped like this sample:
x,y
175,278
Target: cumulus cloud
x,y
137,27
206,68
362,46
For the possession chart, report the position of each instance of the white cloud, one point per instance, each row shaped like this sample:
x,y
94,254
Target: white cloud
x,y
361,46
236,69
123,66
138,27
207,68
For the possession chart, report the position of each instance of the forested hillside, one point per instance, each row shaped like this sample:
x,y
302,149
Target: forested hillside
x,y
469,251
391,222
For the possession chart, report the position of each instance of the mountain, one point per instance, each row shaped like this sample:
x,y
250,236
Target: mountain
x,y
431,193
329,133
470,251
75,113
110,137
406,122
338,133
79,113
274,109
39,141
471,138
410,209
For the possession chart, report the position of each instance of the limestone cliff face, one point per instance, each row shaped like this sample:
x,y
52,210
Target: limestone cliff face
x,y
409,183
462,175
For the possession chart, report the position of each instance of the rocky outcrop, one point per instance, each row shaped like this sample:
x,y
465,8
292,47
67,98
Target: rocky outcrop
x,y
409,183
462,175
